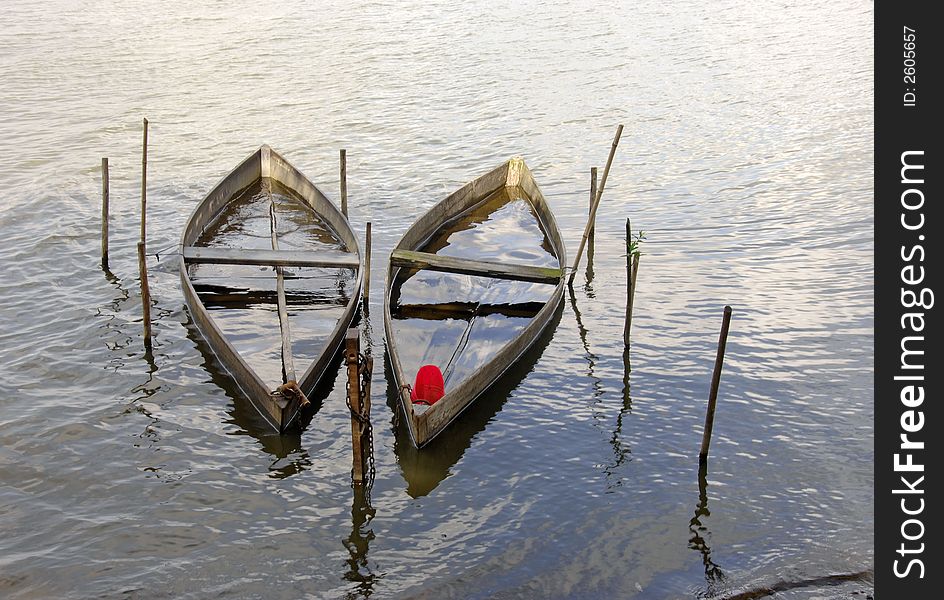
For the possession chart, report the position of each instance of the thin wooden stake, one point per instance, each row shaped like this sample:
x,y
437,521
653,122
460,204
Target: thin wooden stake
x,y
352,342
144,151
715,382
593,196
632,293
367,271
105,199
596,202
145,294
344,181
629,284
632,269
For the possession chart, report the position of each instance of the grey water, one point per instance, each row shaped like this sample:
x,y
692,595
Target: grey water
x,y
746,160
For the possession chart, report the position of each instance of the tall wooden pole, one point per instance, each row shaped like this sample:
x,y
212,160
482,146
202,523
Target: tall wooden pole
x,y
105,200
596,202
142,245
632,268
593,196
367,271
145,294
144,151
344,181
632,291
352,351
715,382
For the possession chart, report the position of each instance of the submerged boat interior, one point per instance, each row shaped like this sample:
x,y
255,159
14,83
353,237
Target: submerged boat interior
x,y
271,271
242,299
458,322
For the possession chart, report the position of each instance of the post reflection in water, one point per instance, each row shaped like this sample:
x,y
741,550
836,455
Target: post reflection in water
x,y
622,451
358,543
591,357
714,576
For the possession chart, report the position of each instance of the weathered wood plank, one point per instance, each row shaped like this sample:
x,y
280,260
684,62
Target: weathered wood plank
x,y
222,297
434,262
464,310
273,258
288,365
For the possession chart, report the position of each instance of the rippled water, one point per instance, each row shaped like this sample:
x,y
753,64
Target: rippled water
x,y
747,160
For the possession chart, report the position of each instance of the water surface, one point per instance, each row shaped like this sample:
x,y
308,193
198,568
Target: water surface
x,y
746,159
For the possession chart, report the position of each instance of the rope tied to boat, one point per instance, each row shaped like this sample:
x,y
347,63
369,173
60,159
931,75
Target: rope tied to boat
x,y
291,391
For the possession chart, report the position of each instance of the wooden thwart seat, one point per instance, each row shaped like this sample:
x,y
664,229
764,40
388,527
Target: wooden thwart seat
x,y
464,310
449,264
272,258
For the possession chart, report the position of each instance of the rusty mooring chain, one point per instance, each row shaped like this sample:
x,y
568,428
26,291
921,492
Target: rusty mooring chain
x,y
365,368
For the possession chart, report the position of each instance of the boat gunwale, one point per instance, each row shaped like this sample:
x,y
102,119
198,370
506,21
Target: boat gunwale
x,y
265,163
512,173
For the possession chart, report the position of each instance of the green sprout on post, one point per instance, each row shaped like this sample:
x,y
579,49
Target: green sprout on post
x,y
633,253
632,248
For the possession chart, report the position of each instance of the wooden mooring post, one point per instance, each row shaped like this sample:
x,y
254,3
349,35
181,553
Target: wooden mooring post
x,y
144,151
715,382
596,203
145,294
142,245
344,181
105,200
593,196
632,269
359,369
367,270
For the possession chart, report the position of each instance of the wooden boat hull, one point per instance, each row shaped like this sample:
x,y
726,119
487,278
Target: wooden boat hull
x,y
428,424
280,412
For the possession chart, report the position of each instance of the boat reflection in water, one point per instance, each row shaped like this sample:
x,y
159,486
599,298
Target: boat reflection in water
x,y
290,456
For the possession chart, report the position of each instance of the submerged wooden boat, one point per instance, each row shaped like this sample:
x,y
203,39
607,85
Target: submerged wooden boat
x,y
270,270
470,287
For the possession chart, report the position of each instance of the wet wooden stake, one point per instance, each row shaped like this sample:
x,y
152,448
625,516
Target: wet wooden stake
x,y
144,184
145,294
715,381
367,271
596,203
344,181
593,196
352,349
632,268
142,245
105,198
